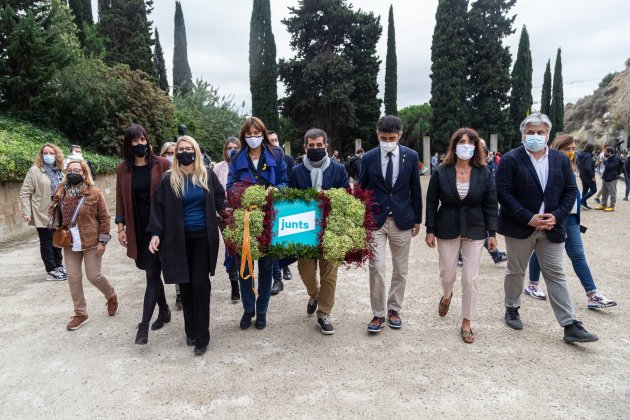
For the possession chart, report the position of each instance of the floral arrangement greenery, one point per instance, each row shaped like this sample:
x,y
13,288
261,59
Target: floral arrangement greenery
x,y
346,223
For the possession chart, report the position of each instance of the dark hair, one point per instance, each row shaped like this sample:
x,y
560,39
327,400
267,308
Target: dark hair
x,y
359,150
610,149
589,147
389,124
136,131
271,132
478,158
258,124
202,149
314,133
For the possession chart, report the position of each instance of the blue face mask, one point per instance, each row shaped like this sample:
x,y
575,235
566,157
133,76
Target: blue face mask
x,y
49,159
535,142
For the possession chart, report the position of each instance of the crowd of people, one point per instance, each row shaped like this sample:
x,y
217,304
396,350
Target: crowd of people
x,y
171,208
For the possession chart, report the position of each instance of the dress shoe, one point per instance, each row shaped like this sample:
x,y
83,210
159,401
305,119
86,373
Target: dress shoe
x,y
311,306
277,287
142,337
162,318
513,319
246,320
575,333
286,273
261,321
190,341
199,350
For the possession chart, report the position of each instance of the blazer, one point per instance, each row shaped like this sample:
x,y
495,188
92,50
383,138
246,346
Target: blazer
x,y
404,198
520,194
334,177
474,217
274,172
35,196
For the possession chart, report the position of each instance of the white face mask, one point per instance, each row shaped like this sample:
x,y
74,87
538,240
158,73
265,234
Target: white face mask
x,y
465,151
170,158
49,159
388,146
254,141
535,142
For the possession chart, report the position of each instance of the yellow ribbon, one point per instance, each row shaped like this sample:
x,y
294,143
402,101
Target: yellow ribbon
x,y
246,253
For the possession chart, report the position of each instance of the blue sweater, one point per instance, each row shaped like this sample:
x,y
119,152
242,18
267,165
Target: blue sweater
x,y
194,204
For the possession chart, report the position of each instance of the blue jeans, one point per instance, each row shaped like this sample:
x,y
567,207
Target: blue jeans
x,y
575,250
250,303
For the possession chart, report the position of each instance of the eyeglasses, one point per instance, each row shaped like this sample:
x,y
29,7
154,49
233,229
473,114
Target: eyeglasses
x,y
76,171
185,149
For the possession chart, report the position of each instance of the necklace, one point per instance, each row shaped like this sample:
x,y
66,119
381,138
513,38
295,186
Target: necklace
x,y
462,171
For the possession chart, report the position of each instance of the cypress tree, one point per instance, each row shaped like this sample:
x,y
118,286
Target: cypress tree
x,y
448,72
263,69
160,65
545,99
182,76
391,68
82,11
556,112
521,96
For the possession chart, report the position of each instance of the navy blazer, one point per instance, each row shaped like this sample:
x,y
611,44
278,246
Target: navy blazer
x,y
520,194
274,171
335,176
404,199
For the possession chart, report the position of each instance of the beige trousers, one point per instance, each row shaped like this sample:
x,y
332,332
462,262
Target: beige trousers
x,y
324,292
73,262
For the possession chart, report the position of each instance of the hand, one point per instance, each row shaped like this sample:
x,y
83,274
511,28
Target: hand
x,y
122,238
430,240
100,249
154,244
492,243
27,219
415,230
545,221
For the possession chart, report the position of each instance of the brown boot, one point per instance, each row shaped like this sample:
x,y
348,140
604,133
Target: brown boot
x,y
112,305
76,321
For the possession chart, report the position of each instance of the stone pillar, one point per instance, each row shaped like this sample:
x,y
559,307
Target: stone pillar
x,y
357,145
426,152
624,136
494,142
287,148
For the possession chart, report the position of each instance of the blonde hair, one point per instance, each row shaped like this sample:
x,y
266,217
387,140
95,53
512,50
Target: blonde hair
x,y
199,174
166,146
87,174
39,159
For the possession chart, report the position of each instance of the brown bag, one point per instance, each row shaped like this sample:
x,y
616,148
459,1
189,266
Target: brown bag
x,y
62,238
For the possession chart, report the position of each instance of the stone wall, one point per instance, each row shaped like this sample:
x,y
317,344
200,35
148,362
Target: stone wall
x,y
11,223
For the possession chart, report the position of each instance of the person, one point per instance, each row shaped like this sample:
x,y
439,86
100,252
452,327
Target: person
x,y
536,189
39,185
258,162
353,165
335,156
137,178
77,154
626,177
320,172
185,231
586,169
599,168
84,212
435,160
461,212
221,169
168,151
612,168
390,171
573,245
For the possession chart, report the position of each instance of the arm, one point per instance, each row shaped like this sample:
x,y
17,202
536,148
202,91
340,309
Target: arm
x,y
156,217
102,215
231,178
345,181
504,178
281,176
120,208
490,207
219,193
416,193
363,178
26,193
433,200
293,180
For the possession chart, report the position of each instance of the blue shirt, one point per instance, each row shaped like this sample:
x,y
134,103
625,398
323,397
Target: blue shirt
x,y
194,203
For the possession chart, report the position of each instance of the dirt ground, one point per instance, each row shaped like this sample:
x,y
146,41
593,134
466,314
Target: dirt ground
x,y
290,370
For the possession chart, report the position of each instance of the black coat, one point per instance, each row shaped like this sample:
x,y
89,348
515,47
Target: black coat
x,y
167,221
586,166
448,216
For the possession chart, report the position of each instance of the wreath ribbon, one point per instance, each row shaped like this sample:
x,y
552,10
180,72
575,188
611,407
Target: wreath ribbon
x,y
246,252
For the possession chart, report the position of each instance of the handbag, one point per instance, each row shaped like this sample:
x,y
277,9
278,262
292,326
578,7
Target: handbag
x,y
62,237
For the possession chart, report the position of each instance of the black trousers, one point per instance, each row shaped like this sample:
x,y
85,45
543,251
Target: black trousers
x,y
51,256
196,294
154,293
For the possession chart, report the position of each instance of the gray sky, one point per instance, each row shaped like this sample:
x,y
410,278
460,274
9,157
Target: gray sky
x,y
593,35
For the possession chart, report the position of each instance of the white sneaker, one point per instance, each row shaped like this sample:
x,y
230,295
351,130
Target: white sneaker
x,y
534,291
597,300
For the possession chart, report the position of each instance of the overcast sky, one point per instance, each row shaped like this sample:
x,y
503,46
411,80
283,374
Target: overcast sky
x,y
594,37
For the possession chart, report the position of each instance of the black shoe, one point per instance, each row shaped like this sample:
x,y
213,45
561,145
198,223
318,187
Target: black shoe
x,y
199,350
261,321
246,320
499,257
575,333
311,306
513,319
277,287
190,341
286,273
598,201
142,337
236,294
325,325
162,318
178,302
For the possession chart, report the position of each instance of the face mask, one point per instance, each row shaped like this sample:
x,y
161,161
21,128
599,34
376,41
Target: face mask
x,y
140,150
254,142
465,151
570,155
76,155
535,143
169,158
315,155
49,159
388,146
74,179
186,158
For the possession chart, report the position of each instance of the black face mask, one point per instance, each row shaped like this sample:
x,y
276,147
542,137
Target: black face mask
x,y
315,155
185,158
74,179
140,150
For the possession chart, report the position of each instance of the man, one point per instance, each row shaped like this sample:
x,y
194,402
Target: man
x,y
318,171
391,172
434,162
353,165
612,168
335,156
77,154
536,189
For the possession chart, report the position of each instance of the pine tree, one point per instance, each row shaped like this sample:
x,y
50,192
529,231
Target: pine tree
x,y
521,96
182,76
263,69
82,11
160,65
545,99
448,72
391,68
556,112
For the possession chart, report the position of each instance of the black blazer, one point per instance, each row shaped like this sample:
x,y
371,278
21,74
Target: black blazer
x,y
448,216
404,198
520,194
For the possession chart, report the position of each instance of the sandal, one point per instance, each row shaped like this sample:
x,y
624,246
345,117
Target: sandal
x,y
443,307
467,336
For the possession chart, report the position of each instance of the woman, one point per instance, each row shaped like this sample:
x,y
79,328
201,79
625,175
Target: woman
x,y
221,169
573,245
168,151
84,212
462,211
40,184
137,178
258,162
185,230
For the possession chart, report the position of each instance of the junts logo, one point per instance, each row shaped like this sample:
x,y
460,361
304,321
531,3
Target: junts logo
x,y
296,223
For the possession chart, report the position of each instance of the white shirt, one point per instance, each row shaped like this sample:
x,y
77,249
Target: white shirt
x,y
542,169
395,163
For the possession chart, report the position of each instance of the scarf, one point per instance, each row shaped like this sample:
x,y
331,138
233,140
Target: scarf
x,y
317,171
70,200
55,176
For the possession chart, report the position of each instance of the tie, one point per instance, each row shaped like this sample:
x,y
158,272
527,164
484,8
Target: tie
x,y
389,172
